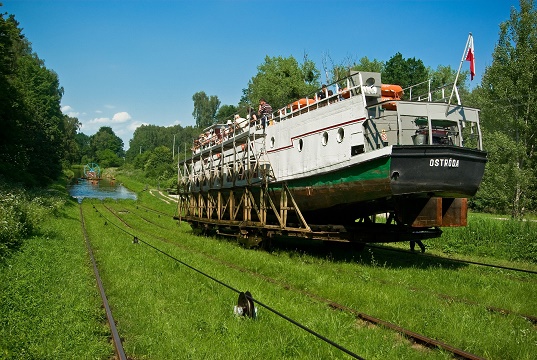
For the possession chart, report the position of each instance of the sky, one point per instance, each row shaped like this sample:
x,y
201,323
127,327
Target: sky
x,y
132,62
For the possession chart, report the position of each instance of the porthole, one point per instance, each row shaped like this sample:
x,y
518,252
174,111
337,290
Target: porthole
x,y
340,135
324,139
272,142
300,144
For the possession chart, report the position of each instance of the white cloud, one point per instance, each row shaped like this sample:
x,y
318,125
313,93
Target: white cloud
x,y
136,124
102,120
69,111
176,122
121,123
121,117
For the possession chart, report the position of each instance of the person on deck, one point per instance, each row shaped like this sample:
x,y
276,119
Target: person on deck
x,y
264,112
323,93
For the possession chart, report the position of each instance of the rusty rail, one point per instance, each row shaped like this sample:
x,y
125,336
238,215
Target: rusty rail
x,y
425,340
120,353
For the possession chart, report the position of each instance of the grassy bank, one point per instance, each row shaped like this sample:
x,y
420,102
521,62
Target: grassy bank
x,y
492,236
49,304
167,308
50,307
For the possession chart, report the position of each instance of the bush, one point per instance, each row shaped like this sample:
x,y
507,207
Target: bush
x,y
504,238
21,212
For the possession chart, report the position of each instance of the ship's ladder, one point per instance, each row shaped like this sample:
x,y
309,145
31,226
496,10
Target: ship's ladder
x,y
261,159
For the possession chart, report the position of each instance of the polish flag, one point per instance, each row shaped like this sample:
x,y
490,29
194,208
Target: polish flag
x,y
471,57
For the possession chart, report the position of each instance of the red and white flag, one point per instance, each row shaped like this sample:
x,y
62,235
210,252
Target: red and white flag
x,y
471,57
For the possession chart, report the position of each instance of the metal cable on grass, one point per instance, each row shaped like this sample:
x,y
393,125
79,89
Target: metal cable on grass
x,y
137,239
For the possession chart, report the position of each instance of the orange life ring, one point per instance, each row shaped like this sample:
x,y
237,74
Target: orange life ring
x,y
301,103
391,91
392,105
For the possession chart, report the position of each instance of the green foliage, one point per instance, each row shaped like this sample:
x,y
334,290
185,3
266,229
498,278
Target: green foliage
x,y
496,193
282,80
366,65
141,159
205,109
486,236
34,139
509,113
160,164
226,112
83,142
21,212
405,72
106,139
148,137
107,158
72,149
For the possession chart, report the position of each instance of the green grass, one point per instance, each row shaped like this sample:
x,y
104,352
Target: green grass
x,y
407,290
50,307
492,236
49,304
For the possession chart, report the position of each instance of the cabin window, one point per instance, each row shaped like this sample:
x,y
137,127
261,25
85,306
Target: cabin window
x,y
340,135
324,140
272,142
300,144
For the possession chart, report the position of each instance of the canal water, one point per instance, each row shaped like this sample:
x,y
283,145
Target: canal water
x,y
101,189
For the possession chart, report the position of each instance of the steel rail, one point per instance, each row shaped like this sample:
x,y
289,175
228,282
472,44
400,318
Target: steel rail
x,y
430,342
503,311
296,323
456,260
116,339
153,210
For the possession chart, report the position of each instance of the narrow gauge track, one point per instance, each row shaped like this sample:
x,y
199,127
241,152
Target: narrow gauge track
x,y
455,260
144,219
387,248
502,311
154,210
246,296
116,340
419,338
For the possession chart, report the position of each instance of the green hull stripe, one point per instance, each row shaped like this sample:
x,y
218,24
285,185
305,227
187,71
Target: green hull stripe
x,y
371,170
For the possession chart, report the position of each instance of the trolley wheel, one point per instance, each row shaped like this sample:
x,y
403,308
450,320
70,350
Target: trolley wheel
x,y
246,304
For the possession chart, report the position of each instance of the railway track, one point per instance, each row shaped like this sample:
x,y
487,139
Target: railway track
x,y
419,338
387,248
455,260
495,309
116,339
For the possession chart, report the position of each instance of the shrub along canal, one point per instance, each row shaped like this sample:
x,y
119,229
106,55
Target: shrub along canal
x,y
99,189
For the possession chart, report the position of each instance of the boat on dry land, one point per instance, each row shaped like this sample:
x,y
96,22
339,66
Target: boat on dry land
x,y
362,164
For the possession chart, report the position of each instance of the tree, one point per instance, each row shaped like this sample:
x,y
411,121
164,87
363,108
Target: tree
x,y
83,142
148,137
281,81
369,65
405,72
32,136
204,109
226,112
72,149
108,158
507,97
159,164
106,139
